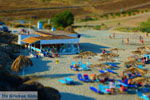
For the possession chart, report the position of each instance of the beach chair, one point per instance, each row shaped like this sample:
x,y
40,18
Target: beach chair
x,y
140,66
145,97
84,67
102,71
88,63
111,71
83,79
79,63
80,78
95,90
86,78
142,96
73,63
62,81
67,81
103,88
75,69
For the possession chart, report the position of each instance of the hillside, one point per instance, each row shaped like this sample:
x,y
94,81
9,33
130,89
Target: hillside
x,y
47,8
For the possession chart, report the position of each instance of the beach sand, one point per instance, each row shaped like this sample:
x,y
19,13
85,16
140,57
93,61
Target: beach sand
x,y
48,72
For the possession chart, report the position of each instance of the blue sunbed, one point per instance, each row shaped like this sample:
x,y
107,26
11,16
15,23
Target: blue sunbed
x,y
84,67
102,71
95,90
111,71
84,79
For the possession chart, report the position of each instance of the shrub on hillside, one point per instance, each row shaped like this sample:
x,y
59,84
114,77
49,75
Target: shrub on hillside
x,y
145,26
63,19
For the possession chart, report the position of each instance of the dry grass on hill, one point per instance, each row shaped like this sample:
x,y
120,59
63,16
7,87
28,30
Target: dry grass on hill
x,y
88,7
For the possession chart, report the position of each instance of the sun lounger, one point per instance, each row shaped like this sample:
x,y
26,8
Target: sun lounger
x,y
102,71
95,90
111,71
84,79
140,66
67,80
62,81
80,77
75,69
103,88
84,67
142,96
73,63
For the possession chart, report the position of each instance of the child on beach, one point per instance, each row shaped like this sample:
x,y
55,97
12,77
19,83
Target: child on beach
x,y
104,51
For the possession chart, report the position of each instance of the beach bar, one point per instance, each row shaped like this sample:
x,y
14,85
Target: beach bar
x,y
43,41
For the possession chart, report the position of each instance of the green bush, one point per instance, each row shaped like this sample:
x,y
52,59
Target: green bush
x,y
98,27
145,26
63,19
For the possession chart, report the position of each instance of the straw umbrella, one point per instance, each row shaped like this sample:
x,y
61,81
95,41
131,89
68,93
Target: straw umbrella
x,y
131,63
145,52
21,62
108,75
138,79
106,59
88,53
138,70
137,52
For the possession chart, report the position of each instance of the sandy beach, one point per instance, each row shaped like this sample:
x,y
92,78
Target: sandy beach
x,y
48,72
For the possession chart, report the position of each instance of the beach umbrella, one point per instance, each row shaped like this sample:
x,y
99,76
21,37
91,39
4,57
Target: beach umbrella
x,y
141,48
87,53
133,58
137,52
138,79
145,52
113,55
106,59
108,75
21,62
131,63
136,70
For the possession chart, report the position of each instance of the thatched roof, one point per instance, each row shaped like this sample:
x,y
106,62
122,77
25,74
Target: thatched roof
x,y
108,74
133,70
138,79
110,55
132,63
97,65
106,59
116,49
137,52
21,62
87,53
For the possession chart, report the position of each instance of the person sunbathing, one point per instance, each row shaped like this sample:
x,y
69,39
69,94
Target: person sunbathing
x,y
122,88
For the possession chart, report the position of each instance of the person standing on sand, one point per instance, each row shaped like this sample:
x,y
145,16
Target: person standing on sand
x,y
140,37
110,36
147,34
127,40
114,35
104,51
122,40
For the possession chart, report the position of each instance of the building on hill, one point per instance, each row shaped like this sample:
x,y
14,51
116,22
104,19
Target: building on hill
x,y
62,42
